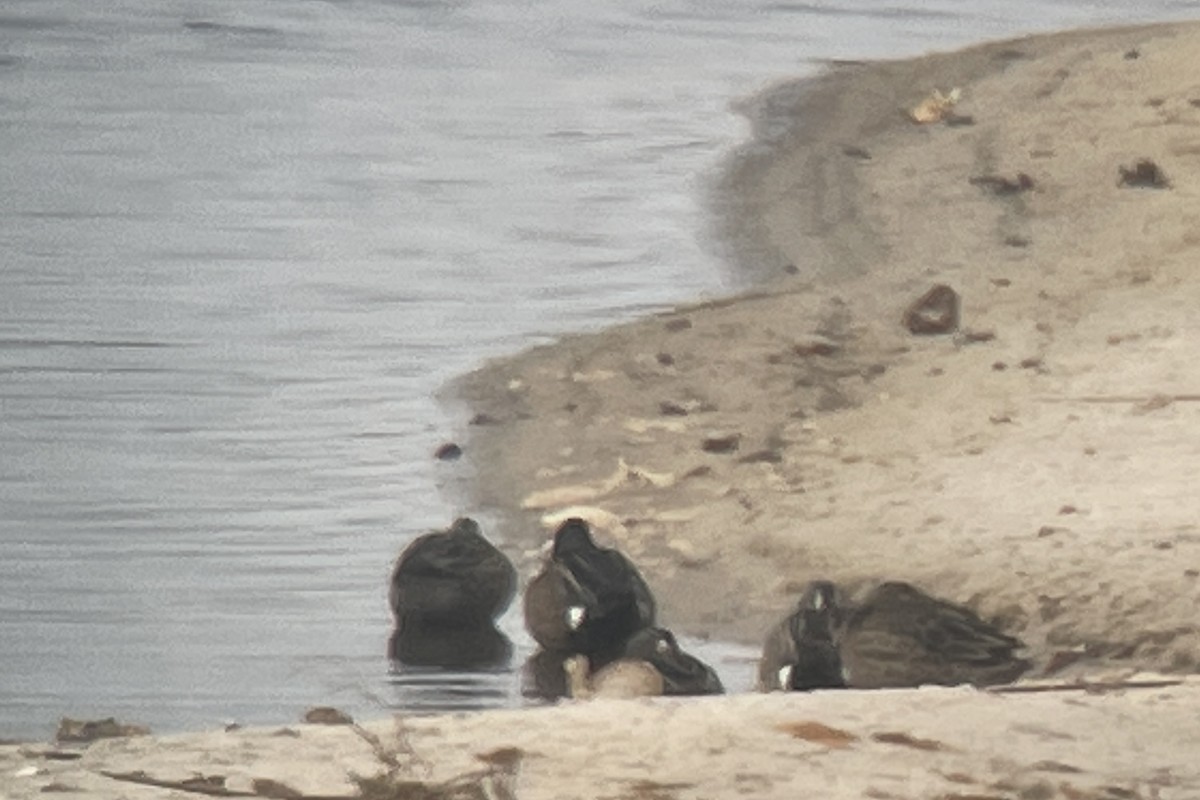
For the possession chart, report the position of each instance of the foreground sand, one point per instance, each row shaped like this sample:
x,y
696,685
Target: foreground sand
x,y
1041,469
932,743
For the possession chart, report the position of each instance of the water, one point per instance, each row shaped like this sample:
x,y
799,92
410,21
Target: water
x,y
242,244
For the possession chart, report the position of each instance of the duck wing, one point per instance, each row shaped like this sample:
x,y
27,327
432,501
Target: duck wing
x,y
683,673
606,583
901,636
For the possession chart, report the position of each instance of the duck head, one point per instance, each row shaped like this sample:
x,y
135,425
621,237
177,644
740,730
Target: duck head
x,y
573,536
819,613
465,526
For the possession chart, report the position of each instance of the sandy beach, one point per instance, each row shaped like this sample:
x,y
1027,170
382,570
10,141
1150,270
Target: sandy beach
x,y
1033,463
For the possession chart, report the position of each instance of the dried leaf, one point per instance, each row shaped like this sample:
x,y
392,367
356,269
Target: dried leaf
x,y
819,733
908,740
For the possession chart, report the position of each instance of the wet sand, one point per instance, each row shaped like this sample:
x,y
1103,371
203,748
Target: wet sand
x,y
1037,464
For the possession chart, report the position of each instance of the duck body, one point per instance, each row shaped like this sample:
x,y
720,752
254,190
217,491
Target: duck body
x,y
800,653
454,577
587,599
898,636
623,679
682,673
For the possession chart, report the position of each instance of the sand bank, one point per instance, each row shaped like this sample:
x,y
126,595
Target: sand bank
x,y
1039,465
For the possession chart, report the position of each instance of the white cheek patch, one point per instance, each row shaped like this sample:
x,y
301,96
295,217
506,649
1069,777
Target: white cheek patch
x,y
818,601
785,677
575,617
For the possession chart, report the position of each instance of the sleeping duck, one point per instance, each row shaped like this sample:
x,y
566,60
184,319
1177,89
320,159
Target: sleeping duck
x,y
900,636
897,636
453,577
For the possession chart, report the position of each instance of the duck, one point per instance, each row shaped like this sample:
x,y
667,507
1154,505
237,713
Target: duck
x,y
899,636
453,577
800,653
624,678
587,599
682,673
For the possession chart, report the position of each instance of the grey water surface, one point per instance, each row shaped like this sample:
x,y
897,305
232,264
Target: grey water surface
x,y
243,242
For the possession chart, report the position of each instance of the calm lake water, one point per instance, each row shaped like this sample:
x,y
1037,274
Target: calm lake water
x,y
242,244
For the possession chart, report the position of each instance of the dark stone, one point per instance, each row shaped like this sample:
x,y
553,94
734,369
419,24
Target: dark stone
x,y
765,456
873,371
1010,54
484,419
1145,174
815,346
665,359
670,409
681,324
448,452
934,312
327,715
721,443
853,151
977,337
1001,185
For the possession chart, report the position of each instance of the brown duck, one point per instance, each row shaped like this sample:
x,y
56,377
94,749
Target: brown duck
x,y
900,636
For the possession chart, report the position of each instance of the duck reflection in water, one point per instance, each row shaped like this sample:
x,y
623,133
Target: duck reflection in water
x,y
447,589
421,645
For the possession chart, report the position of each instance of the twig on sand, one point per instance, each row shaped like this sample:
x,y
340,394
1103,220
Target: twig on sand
x,y
390,756
213,786
1091,687
1164,399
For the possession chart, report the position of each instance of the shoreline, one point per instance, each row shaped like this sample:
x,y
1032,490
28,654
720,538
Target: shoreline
x,y
726,539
